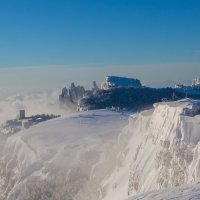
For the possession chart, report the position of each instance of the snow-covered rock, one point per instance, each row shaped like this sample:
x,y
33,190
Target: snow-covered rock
x,y
160,148
128,98
115,81
71,95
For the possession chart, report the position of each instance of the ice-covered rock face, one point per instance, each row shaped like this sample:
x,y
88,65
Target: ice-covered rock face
x,y
71,96
114,81
159,149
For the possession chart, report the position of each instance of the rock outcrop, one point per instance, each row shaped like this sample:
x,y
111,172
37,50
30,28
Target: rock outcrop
x,y
115,81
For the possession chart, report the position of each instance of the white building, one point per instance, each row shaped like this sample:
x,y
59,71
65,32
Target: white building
x,y
196,82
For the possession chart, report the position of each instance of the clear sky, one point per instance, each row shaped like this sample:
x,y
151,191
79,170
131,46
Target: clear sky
x,y
99,32
47,44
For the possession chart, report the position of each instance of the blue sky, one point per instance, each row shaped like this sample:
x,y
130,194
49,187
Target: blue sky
x,y
99,32
47,44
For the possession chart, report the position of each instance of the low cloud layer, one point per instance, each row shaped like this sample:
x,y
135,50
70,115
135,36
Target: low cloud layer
x,y
37,103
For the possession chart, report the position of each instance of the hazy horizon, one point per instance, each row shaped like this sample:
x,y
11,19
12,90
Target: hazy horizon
x,y
23,80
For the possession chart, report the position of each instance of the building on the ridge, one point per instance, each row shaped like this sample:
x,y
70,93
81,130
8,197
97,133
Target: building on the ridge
x,y
23,122
22,114
196,82
195,85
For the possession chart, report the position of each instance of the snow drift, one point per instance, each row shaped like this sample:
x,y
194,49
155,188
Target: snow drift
x,y
60,159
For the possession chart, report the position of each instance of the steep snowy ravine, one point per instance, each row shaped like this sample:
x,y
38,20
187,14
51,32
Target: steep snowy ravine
x,y
159,149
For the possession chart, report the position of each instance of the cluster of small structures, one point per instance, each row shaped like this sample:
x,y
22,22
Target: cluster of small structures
x,y
195,85
22,122
196,82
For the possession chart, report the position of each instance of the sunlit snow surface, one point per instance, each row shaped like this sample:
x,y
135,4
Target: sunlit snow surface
x,y
159,149
186,192
101,155
68,152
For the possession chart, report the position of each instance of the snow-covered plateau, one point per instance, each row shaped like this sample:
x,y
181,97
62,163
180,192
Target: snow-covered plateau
x,y
105,155
61,159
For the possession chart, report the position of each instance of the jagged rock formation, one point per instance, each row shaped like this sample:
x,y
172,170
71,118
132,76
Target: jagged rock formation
x,y
122,93
95,86
71,95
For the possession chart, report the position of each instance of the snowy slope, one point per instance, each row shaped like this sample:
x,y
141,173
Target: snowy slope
x,y
62,158
186,192
90,156
159,149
